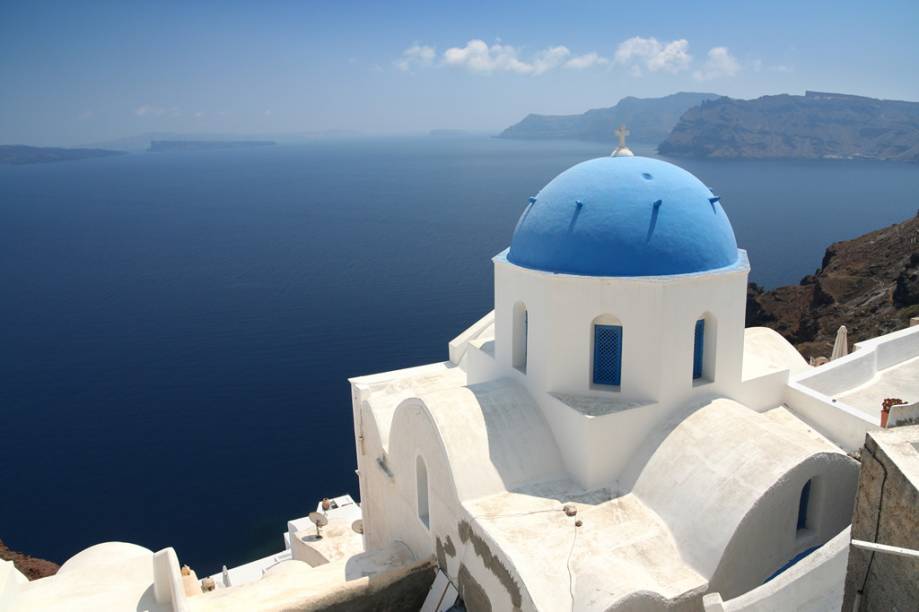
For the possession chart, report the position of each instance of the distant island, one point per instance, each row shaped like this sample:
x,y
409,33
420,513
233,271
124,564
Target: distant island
x,y
649,120
817,125
22,154
157,146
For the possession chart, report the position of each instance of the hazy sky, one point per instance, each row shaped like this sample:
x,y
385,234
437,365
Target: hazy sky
x,y
78,72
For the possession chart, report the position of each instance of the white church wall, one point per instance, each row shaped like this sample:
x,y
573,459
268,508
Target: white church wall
x,y
474,563
841,424
809,394
893,348
769,528
657,315
735,505
479,365
614,440
814,583
459,344
763,392
846,372
11,581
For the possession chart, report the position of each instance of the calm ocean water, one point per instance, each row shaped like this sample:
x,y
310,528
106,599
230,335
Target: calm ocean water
x,y
176,329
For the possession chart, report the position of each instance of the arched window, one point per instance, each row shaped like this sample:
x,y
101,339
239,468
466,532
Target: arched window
x,y
606,349
421,483
803,503
705,331
698,350
521,331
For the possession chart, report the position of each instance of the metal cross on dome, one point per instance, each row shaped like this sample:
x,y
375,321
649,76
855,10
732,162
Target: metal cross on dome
x,y
622,132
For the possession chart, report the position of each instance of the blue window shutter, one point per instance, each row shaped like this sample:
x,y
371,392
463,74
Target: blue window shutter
x,y
607,355
697,349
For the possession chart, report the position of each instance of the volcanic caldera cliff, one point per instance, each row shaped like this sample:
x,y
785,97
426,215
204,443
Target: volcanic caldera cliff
x,y
869,284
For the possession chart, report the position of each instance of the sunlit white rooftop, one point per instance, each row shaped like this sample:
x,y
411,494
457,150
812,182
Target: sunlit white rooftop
x,y
900,381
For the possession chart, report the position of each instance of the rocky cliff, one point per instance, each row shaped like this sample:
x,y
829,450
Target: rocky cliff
x,y
813,126
649,120
869,284
30,566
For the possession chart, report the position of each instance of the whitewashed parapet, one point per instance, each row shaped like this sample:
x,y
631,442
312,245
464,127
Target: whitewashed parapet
x,y
167,580
903,414
458,345
10,582
813,583
810,394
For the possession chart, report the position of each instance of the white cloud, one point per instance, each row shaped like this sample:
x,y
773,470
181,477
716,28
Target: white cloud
x,y
656,56
588,60
478,56
549,59
720,64
416,55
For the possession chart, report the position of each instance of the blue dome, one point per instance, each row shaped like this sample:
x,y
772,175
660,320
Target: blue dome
x,y
624,216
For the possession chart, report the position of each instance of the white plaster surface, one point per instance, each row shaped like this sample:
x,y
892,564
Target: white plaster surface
x,y
766,352
293,585
899,381
682,485
836,398
109,576
676,480
814,584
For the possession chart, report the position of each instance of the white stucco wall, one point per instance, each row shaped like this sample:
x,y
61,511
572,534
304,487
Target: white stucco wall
x,y
658,316
813,394
813,584
727,481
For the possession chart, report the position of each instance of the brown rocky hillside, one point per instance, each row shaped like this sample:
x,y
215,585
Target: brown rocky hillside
x,y
869,284
30,566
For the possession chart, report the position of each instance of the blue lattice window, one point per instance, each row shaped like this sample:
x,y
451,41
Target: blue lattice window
x,y
607,355
698,349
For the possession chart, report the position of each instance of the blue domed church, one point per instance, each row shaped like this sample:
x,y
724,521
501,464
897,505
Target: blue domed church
x,y
610,436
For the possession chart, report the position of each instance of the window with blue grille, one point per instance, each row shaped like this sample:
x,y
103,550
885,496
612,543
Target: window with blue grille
x,y
607,355
698,349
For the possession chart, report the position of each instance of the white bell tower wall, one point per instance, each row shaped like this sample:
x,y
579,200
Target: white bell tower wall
x,y
544,338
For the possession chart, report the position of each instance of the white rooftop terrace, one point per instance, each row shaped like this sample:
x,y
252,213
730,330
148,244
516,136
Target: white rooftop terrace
x,y
843,398
899,381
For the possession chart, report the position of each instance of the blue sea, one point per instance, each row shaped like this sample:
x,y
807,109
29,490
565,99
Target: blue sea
x,y
177,329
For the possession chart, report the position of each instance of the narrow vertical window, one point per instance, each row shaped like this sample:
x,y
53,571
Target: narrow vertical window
x,y
802,505
521,335
698,349
421,481
607,355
